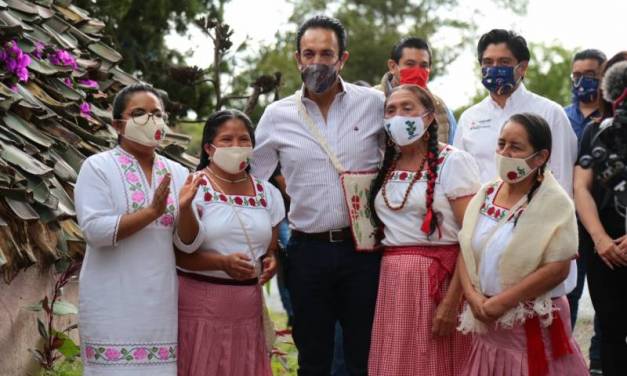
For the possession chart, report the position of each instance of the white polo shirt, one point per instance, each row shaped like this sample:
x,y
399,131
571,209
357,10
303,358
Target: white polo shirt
x,y
354,131
480,125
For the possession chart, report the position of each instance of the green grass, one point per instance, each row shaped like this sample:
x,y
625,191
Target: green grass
x,y
65,368
288,365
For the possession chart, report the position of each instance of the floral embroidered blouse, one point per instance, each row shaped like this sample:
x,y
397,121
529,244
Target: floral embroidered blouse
x,y
219,228
128,288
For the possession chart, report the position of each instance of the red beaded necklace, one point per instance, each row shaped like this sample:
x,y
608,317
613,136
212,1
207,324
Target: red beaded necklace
x,y
388,176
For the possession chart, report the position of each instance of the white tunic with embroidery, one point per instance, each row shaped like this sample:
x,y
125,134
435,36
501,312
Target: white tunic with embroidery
x,y
220,230
128,289
491,241
458,176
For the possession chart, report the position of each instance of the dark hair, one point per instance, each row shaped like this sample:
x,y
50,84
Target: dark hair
x,y
539,135
390,155
409,42
590,53
605,107
515,43
212,126
123,96
324,22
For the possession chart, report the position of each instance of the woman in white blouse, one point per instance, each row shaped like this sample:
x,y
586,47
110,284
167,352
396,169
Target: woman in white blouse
x,y
421,194
127,203
220,275
518,240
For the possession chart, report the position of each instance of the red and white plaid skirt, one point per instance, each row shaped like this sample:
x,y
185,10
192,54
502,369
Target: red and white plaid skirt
x,y
402,343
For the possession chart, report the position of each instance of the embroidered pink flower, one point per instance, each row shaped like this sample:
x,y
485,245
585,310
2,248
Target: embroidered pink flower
x,y
132,177
490,190
202,181
497,213
259,187
238,200
112,354
355,202
169,200
490,210
160,165
440,160
90,352
208,196
252,202
402,176
167,220
223,198
85,108
140,353
164,354
263,202
123,159
138,197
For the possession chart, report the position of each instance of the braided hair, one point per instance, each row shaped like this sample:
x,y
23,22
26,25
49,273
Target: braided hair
x,y
427,101
539,135
212,126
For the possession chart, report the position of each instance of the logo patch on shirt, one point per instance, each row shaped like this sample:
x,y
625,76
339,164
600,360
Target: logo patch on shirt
x,y
480,124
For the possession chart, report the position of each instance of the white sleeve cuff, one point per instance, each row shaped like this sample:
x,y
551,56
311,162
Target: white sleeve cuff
x,y
194,245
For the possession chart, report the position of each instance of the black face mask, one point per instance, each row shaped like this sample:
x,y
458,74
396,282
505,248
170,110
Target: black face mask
x,y
319,77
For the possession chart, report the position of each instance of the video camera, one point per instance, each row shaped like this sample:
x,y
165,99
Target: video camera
x,y
609,146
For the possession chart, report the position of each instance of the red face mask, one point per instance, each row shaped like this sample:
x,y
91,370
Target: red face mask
x,y
415,75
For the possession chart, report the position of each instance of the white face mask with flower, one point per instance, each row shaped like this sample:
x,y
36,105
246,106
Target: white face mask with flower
x,y
513,170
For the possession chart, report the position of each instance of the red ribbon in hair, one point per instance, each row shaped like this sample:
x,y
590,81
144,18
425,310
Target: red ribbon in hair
x,y
414,76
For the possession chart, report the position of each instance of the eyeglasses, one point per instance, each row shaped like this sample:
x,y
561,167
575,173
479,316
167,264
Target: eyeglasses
x,y
141,117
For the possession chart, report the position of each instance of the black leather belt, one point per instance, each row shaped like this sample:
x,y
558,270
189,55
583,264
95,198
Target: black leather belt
x,y
331,236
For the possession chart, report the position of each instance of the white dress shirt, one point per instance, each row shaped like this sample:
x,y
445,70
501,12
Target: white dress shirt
x,y
354,131
480,125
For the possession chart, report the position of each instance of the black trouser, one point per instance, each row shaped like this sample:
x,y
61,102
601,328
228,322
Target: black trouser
x,y
330,282
608,290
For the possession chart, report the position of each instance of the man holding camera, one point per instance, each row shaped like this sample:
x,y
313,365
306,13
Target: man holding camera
x,y
602,214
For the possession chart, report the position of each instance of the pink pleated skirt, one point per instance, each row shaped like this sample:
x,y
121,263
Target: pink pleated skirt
x,y
220,330
503,352
402,343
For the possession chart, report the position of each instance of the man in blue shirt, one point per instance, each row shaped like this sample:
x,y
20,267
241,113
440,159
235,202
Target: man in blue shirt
x,y
586,75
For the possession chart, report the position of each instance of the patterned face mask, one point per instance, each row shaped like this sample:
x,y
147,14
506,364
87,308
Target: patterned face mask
x,y
513,170
499,80
319,77
404,130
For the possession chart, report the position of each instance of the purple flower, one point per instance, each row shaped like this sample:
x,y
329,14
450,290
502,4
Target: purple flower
x,y
63,58
89,83
15,60
85,108
167,220
68,82
39,50
138,196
